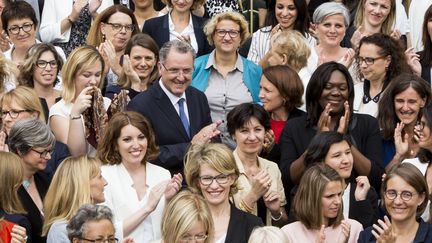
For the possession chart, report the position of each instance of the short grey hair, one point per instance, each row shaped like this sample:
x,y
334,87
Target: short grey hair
x,y
328,9
86,213
28,133
180,46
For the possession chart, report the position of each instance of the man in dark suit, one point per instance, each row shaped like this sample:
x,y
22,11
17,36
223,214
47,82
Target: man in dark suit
x,y
179,113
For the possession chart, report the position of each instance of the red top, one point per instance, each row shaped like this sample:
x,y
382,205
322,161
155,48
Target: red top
x,y
277,127
5,230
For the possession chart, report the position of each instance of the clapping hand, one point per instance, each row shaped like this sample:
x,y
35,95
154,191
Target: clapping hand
x,y
362,188
383,231
173,186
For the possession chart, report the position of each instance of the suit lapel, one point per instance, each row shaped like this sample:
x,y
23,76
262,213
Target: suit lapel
x,y
165,33
168,110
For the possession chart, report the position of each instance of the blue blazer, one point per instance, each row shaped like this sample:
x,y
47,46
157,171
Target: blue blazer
x,y
158,29
171,137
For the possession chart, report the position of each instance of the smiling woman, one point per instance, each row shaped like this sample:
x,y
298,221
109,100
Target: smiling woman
x,y
110,32
135,187
404,195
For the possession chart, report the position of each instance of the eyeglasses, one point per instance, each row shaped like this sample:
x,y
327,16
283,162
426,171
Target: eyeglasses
x,y
44,153
232,33
404,195
177,71
220,179
43,64
119,27
13,113
368,60
102,240
15,29
197,238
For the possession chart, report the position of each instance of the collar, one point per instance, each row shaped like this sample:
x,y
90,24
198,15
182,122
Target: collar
x,y
171,23
366,89
240,164
173,98
212,62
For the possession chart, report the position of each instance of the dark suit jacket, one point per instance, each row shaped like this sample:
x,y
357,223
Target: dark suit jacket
x,y
171,137
158,29
240,226
33,214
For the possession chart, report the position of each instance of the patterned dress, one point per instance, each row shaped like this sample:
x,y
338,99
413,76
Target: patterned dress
x,y
213,7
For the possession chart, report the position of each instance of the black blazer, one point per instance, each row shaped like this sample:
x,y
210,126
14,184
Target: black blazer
x,y
33,214
240,226
171,137
366,211
158,29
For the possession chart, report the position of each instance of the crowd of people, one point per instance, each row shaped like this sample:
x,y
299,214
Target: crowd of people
x,y
235,121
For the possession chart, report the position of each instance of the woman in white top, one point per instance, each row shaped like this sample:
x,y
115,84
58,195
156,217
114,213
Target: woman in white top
x,y
281,15
81,73
137,190
331,20
67,22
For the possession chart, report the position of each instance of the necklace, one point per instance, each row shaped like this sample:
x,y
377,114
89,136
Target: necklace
x,y
26,184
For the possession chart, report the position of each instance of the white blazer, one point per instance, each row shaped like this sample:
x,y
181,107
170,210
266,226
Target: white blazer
x,y
121,197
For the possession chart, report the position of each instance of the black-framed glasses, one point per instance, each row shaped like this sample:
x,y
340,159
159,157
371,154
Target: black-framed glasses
x,y
177,71
13,113
44,153
404,195
15,29
232,33
190,238
368,60
220,179
43,63
119,27
102,240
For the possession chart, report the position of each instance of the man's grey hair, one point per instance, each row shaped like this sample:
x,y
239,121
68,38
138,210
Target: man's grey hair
x,y
86,213
328,9
29,133
177,45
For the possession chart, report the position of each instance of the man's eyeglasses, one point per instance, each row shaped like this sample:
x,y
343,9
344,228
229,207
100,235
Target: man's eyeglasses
x,y
15,29
102,240
368,60
13,113
119,27
404,195
208,180
222,33
43,64
177,71
44,153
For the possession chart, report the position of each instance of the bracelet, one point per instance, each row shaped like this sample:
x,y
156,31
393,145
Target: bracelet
x,y
246,207
278,218
75,117
68,18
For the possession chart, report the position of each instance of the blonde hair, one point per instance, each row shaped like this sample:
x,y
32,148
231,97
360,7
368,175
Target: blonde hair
x,y
26,98
293,45
267,234
210,26
181,213
69,189
8,71
80,59
387,25
218,156
11,176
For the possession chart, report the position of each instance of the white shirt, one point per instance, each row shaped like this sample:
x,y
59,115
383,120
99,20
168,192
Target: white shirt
x,y
416,14
122,198
189,30
174,99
